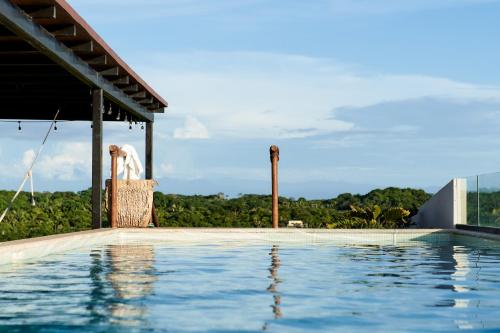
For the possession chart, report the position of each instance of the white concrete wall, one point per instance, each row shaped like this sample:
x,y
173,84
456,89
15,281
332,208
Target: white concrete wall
x,y
446,208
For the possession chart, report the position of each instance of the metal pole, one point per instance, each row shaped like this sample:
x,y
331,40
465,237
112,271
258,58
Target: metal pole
x,y
275,156
97,107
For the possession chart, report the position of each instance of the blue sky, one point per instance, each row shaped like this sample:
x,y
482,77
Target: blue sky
x,y
358,94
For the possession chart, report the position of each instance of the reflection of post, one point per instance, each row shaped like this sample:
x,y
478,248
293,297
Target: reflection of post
x,y
275,156
132,277
275,280
99,299
275,265
132,270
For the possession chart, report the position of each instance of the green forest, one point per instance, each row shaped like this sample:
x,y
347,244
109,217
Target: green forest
x,y
61,212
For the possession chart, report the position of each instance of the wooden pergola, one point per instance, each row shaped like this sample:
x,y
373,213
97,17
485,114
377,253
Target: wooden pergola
x,y
51,59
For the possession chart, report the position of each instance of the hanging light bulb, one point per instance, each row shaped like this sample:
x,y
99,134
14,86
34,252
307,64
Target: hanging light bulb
x,y
19,129
130,126
142,126
126,118
55,126
118,116
110,110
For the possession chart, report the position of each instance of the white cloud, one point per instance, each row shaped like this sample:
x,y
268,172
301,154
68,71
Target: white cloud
x,y
192,129
164,170
28,157
266,95
72,161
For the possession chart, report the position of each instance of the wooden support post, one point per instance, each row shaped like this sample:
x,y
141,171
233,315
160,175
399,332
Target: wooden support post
x,y
275,156
97,107
149,165
149,150
156,223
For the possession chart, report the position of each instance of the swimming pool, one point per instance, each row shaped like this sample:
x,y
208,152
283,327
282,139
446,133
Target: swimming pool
x,y
291,283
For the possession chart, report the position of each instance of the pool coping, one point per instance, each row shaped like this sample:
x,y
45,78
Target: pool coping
x,y
34,248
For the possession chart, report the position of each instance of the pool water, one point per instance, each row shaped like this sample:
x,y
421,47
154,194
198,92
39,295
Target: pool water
x,y
223,287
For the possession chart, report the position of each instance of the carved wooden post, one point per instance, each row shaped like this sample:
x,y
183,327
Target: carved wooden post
x,y
115,152
275,156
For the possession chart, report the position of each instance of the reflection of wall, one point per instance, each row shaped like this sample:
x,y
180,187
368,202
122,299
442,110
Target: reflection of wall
x,y
446,208
456,261
131,275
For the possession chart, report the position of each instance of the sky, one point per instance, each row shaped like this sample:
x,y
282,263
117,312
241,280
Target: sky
x,y
358,94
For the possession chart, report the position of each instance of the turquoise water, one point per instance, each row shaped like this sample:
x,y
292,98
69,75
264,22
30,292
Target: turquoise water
x,y
424,287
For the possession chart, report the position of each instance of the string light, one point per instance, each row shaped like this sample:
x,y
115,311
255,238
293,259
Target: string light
x,y
110,110
127,118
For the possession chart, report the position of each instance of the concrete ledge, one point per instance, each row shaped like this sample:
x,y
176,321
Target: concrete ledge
x,y
484,232
34,248
29,249
446,208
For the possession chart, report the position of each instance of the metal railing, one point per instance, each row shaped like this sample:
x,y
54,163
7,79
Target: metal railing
x,y
483,200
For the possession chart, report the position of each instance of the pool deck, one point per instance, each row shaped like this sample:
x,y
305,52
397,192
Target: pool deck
x,y
34,248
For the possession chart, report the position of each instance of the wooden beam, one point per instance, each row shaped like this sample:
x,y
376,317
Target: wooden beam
x,y
153,106
122,80
9,38
49,12
32,70
113,71
17,22
84,47
97,107
68,31
100,60
5,32
132,88
159,110
140,94
149,150
146,101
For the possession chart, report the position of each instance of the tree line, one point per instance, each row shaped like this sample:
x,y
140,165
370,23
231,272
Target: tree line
x,y
61,212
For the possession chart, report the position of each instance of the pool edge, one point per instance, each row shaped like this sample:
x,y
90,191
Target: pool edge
x,y
34,248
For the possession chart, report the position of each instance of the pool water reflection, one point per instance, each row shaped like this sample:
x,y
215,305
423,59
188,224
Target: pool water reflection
x,y
222,287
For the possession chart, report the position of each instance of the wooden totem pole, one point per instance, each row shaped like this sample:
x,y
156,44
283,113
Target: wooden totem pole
x,y
275,156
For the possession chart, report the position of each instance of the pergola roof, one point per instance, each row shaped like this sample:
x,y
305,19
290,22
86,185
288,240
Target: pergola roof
x,y
50,59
